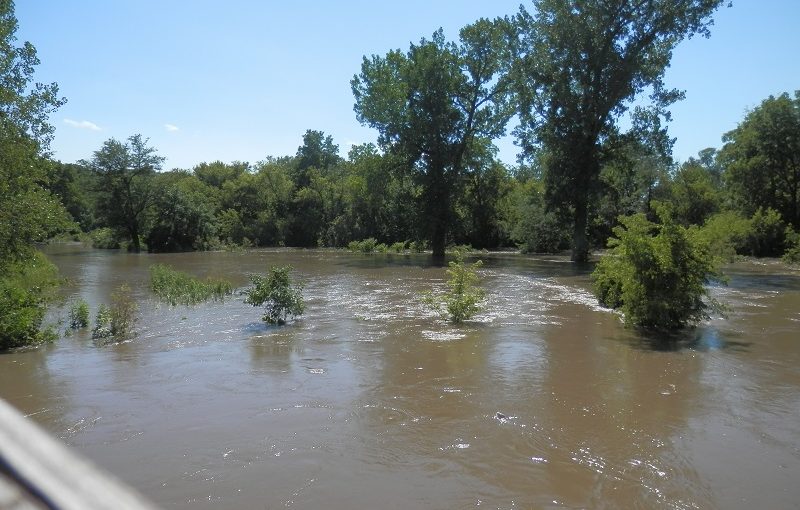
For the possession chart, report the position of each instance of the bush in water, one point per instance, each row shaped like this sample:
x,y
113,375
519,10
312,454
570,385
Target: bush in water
x,y
79,315
118,321
656,273
463,298
276,293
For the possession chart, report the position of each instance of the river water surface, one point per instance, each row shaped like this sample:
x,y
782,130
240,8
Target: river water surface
x,y
371,401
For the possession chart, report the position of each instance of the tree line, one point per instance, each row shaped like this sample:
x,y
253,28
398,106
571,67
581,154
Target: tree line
x,y
745,195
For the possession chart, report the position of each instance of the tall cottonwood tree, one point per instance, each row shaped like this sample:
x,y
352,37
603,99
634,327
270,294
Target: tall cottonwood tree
x,y
578,66
125,172
430,105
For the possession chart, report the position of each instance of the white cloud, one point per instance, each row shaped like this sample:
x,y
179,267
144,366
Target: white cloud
x,y
84,124
171,127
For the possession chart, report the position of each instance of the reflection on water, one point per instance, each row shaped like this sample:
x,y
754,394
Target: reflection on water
x,y
370,400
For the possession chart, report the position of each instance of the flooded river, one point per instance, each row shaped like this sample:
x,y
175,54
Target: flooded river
x,y
371,401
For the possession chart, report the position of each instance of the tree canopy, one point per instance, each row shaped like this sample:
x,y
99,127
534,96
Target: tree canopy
x,y
762,158
431,104
579,64
125,171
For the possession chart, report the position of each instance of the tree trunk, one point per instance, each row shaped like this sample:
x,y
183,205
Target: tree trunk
x,y
580,243
133,230
438,208
438,237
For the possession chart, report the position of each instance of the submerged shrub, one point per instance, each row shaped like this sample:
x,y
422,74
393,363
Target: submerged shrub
x,y
104,238
463,298
79,315
276,293
369,245
398,247
792,254
656,273
102,323
118,321
26,287
418,246
176,287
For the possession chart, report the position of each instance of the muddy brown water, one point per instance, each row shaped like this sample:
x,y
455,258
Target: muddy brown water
x,y
371,401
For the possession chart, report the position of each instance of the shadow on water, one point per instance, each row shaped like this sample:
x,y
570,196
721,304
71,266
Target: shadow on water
x,y
760,282
702,339
550,265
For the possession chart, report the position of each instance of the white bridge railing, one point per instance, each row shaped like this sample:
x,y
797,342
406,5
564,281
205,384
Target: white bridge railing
x,y
38,472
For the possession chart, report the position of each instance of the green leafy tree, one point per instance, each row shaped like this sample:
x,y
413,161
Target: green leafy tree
x,y
695,196
431,104
579,64
318,151
28,211
183,213
656,273
125,175
275,292
761,158
486,186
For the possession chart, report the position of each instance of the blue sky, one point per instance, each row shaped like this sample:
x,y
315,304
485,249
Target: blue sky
x,y
242,80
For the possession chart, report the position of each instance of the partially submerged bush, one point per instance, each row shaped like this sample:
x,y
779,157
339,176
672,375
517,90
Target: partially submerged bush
x,y
26,287
176,287
79,315
418,246
398,247
463,298
102,323
369,245
104,238
118,321
656,273
792,254
276,293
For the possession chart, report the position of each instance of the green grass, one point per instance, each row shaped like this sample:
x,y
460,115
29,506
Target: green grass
x,y
176,287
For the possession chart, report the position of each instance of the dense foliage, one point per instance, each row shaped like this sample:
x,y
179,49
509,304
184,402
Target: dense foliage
x,y
29,212
281,299
656,273
26,287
